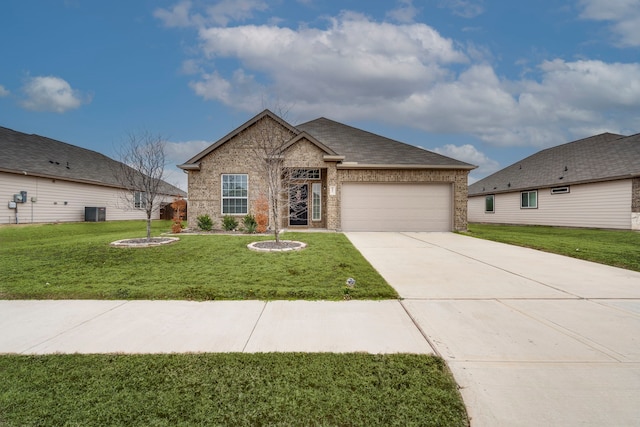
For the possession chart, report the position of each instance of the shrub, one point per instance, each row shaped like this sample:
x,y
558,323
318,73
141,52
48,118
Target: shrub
x,y
262,214
205,223
250,224
179,206
229,223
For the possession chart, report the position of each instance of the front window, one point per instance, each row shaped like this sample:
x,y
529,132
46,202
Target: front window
x,y
489,204
139,200
529,199
235,194
316,201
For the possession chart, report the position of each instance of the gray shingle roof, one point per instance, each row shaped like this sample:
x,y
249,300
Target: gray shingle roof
x,y
359,148
37,155
367,148
602,157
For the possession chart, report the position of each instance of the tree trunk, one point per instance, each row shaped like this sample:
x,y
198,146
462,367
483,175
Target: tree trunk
x,y
148,229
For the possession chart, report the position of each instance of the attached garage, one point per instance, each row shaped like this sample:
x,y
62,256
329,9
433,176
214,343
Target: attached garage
x,y
397,206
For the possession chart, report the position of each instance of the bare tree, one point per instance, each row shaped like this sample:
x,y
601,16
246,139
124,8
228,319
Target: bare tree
x,y
285,187
141,172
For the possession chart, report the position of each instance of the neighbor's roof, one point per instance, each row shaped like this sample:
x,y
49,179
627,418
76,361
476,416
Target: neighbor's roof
x,y
354,147
36,155
603,157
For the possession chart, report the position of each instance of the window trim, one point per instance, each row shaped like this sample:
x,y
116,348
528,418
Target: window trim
x,y
139,200
528,193
223,197
493,203
316,204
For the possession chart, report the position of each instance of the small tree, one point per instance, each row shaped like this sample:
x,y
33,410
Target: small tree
x,y
141,172
179,206
268,143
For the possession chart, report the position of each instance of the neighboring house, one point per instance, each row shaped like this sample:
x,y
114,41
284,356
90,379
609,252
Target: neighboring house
x,y
593,182
59,181
354,180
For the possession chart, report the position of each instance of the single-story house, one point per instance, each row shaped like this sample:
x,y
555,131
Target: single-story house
x,y
593,182
43,180
353,180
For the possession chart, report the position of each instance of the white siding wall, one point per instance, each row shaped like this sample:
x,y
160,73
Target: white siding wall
x,y
51,196
598,205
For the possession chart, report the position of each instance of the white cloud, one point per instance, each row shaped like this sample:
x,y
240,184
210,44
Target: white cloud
x,y
52,94
468,153
624,16
3,92
213,87
409,75
464,8
354,58
176,153
178,16
404,13
221,13
180,152
226,11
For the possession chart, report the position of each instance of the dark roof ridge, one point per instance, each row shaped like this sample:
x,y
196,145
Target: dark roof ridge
x,y
357,129
593,137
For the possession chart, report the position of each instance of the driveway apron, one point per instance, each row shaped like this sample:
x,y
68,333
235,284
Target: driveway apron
x,y
533,339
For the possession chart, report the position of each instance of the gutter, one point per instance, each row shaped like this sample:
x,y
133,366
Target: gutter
x,y
355,165
552,185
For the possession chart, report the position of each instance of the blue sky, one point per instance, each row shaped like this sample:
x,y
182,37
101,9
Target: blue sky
x,y
486,82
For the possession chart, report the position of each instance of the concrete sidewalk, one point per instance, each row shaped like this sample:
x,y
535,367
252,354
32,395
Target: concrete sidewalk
x,y
79,326
533,339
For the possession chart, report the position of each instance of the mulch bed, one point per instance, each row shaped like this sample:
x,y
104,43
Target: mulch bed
x,y
273,246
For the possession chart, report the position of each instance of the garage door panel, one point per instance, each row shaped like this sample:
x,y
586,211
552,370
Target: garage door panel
x,y
396,207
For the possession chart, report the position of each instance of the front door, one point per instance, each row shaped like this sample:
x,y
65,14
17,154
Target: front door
x,y
299,204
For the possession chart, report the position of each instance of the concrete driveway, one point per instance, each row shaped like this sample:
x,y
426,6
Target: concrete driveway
x,y
533,339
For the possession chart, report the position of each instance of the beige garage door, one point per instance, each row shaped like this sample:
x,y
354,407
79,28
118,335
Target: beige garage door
x,y
396,207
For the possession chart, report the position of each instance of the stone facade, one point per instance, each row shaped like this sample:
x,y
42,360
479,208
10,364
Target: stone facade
x,y
237,155
241,155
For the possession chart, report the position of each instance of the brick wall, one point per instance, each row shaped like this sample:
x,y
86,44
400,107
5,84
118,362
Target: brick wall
x,y
238,156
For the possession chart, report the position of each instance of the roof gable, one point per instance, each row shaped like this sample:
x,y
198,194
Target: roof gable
x,y
601,157
304,135
193,163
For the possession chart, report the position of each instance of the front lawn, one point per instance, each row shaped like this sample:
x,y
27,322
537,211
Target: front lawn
x,y
75,261
287,389
610,247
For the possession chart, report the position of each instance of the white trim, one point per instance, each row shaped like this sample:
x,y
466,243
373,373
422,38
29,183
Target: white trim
x,y
493,203
313,201
222,197
528,199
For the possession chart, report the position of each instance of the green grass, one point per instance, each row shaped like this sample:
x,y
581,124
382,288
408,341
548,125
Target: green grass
x,y
610,247
269,389
75,261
